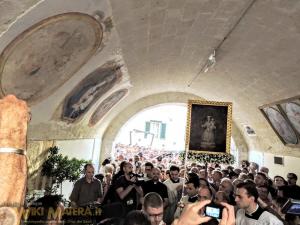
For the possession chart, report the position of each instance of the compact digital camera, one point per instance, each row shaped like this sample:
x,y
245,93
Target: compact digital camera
x,y
214,210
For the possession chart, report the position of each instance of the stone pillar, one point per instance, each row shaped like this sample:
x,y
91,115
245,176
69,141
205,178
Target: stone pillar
x,y
14,116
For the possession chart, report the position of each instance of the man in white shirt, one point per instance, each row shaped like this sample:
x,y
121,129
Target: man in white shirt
x,y
174,185
191,187
250,213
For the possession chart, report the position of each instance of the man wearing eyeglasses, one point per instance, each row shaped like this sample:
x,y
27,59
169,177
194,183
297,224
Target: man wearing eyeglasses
x,y
153,206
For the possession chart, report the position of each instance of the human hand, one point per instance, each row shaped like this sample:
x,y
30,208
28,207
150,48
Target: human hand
x,y
191,216
133,179
228,217
137,187
261,203
179,187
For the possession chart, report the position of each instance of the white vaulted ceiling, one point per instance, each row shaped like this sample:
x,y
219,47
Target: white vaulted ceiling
x,y
145,48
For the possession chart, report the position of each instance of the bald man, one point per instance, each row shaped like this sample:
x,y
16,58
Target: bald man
x,y
154,185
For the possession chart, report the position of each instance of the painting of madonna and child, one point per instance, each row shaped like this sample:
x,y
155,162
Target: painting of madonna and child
x,y
209,126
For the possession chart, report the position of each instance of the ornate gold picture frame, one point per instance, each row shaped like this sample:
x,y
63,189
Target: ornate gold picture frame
x,y
209,127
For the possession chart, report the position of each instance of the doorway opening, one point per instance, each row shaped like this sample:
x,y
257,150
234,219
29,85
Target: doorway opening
x,y
155,131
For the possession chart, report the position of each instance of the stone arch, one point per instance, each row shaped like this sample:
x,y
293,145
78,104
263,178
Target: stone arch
x,y
152,100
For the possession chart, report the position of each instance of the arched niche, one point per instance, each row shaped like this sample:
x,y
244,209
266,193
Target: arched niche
x,y
152,100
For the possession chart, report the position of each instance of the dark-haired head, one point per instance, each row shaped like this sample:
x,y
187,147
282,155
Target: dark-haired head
x,y
122,165
250,188
279,181
250,176
203,182
260,179
193,180
149,164
292,178
193,175
174,168
87,165
106,161
245,163
137,217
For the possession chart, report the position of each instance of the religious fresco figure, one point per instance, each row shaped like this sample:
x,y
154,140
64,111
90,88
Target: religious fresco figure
x,y
107,105
280,125
90,89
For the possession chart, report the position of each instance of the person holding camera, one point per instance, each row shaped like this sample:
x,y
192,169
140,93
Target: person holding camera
x,y
128,190
191,215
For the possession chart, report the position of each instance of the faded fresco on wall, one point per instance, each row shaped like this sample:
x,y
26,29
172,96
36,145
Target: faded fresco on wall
x,y
46,55
107,105
284,118
90,89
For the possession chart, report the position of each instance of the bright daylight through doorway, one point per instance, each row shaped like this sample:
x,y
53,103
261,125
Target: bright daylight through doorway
x,y
155,131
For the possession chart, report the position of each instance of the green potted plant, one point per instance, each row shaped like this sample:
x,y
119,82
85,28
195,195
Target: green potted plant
x,y
60,168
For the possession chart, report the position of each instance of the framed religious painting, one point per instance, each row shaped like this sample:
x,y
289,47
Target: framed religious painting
x,y
209,127
284,118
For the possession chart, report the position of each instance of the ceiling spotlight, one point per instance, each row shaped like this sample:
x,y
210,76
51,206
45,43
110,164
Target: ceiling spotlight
x,y
210,62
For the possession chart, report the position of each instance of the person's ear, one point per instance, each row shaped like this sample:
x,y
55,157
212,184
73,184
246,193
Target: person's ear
x,y
252,198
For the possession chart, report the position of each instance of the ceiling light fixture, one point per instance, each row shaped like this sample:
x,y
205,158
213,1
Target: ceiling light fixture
x,y
210,62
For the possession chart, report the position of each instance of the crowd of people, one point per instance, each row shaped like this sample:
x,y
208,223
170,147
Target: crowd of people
x,y
167,192
146,154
